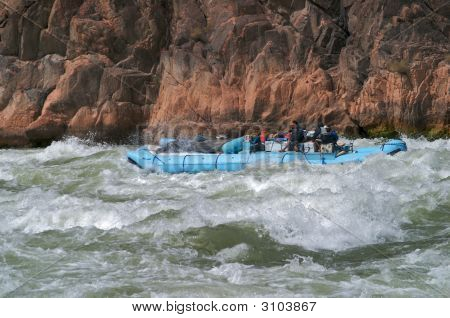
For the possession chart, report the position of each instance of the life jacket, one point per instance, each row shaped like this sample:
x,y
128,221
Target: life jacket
x,y
334,136
262,137
326,138
301,135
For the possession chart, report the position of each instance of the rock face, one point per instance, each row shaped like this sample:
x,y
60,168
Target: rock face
x,y
110,68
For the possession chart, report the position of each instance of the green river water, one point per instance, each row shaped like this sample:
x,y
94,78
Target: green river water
x,y
77,220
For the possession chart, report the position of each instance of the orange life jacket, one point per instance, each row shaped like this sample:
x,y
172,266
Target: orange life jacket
x,y
262,137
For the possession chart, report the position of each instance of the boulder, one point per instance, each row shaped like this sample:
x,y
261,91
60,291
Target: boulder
x,y
23,108
53,39
124,85
78,87
24,87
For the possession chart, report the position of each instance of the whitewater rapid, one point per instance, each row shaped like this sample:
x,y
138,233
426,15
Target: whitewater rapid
x,y
93,225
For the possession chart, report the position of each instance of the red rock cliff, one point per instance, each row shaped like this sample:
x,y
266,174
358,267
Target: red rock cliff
x,y
109,68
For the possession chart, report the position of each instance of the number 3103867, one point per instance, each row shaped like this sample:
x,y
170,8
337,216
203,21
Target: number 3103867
x,y
288,306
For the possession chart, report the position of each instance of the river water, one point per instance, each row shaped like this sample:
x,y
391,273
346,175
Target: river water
x,y
76,220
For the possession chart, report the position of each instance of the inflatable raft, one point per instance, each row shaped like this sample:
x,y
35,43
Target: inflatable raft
x,y
237,156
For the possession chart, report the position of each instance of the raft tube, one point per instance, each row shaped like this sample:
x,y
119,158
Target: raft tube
x,y
199,162
234,146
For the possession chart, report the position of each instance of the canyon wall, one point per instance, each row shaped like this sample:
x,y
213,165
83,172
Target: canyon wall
x,y
109,69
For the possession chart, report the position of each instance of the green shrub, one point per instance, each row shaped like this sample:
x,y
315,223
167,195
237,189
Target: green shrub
x,y
437,133
401,67
197,34
381,132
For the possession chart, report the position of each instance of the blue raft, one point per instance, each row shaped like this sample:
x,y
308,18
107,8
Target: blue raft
x,y
199,162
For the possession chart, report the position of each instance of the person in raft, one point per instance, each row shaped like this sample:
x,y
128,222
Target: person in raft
x,y
280,134
328,136
295,136
320,129
258,140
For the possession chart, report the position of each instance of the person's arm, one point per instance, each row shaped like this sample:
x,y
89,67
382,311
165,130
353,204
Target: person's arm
x,y
316,133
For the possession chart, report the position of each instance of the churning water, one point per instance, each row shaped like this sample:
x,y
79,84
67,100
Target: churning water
x,y
76,220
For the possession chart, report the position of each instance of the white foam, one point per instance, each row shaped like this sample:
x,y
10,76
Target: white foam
x,y
232,272
69,148
232,253
331,207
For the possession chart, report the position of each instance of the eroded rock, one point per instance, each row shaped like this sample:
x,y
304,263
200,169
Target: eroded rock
x,y
360,66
